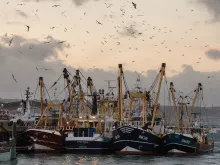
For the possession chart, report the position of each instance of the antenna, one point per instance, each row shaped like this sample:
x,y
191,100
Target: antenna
x,y
110,88
138,85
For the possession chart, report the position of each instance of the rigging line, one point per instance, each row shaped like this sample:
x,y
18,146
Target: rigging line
x,y
82,75
36,91
47,93
164,99
154,82
55,82
62,91
70,74
21,94
125,82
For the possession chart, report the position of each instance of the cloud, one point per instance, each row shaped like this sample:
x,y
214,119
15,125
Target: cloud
x,y
130,32
41,0
23,66
81,2
213,54
22,58
213,7
76,2
21,13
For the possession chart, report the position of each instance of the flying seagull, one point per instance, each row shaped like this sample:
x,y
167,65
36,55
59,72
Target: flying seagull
x,y
56,6
99,22
10,42
14,78
61,42
28,27
135,5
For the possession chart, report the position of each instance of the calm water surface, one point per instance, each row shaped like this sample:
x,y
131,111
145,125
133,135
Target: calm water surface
x,y
71,159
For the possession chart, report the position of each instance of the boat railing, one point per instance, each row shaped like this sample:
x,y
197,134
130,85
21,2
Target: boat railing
x,y
135,124
43,127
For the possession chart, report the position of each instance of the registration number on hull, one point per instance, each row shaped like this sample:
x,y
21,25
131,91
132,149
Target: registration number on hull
x,y
143,137
84,142
185,141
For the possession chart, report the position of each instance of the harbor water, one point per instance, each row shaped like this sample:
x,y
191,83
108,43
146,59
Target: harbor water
x,y
80,159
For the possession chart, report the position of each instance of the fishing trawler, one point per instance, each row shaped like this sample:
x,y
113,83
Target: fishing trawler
x,y
86,133
185,138
137,136
8,147
46,136
71,127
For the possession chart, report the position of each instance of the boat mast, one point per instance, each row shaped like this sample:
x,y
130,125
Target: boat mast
x,y
198,89
41,95
142,96
120,99
174,104
66,77
181,114
162,73
81,93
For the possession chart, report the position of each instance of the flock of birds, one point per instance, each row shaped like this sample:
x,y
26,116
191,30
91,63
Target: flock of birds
x,y
129,30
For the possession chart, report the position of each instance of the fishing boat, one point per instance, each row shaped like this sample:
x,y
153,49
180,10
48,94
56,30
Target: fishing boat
x,y
87,140
86,132
8,148
70,126
138,136
6,119
184,138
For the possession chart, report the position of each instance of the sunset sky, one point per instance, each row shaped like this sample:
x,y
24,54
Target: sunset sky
x,y
182,33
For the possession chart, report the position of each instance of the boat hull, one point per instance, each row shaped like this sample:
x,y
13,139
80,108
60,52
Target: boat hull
x,y
5,155
179,144
45,141
92,145
134,141
84,146
205,148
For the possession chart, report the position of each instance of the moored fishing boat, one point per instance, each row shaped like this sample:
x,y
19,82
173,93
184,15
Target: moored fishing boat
x,y
87,140
185,139
8,148
88,132
137,136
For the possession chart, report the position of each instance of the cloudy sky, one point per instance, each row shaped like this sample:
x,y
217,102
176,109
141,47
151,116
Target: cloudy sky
x,y
100,34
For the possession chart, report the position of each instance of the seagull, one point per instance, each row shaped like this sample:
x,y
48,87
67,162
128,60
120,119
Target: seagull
x,y
14,78
56,6
10,42
99,22
28,27
135,5
45,69
61,42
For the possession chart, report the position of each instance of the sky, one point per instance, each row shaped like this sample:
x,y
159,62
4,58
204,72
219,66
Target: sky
x,y
100,34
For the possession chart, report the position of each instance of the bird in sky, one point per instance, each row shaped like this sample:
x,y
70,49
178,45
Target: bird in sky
x,y
99,22
61,42
14,78
135,5
28,28
56,6
10,42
